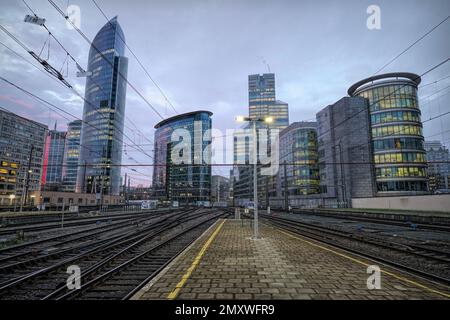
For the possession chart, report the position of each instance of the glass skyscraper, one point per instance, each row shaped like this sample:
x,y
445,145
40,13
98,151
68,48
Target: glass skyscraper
x,y
54,158
263,103
299,150
189,183
71,156
104,113
396,129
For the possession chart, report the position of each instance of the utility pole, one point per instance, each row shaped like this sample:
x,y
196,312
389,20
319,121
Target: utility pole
x,y
341,160
128,192
125,189
27,183
101,191
102,185
233,181
218,190
255,181
286,198
84,178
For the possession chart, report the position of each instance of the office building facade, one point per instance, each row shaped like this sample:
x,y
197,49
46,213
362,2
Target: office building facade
x,y
345,151
187,181
8,180
438,158
220,190
22,144
396,132
297,181
54,160
299,159
104,113
72,155
262,104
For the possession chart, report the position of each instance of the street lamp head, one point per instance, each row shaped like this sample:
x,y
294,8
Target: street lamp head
x,y
12,196
268,120
240,119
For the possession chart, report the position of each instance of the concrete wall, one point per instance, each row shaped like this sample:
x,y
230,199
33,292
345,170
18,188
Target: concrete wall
x,y
305,202
81,199
421,203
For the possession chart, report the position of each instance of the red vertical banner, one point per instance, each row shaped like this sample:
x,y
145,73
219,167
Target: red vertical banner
x,y
45,162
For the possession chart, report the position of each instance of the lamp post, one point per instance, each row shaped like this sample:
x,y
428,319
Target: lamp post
x,y
12,198
343,187
255,162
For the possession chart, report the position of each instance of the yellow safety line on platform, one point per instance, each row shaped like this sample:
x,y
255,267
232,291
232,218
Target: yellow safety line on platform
x,y
365,264
174,294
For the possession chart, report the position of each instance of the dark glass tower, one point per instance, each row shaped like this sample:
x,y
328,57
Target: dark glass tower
x,y
189,184
104,113
56,143
263,103
298,149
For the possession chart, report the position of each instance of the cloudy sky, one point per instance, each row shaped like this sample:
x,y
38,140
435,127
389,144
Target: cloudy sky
x,y
200,52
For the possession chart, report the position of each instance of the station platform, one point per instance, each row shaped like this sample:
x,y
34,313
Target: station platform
x,y
226,263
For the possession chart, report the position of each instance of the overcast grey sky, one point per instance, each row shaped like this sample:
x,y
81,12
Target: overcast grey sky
x,y
200,53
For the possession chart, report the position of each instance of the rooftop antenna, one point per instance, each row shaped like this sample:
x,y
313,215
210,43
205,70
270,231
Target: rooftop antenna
x,y
267,65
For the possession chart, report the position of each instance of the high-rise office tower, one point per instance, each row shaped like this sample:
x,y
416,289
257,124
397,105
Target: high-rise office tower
x,y
263,102
71,156
189,182
104,113
298,149
54,159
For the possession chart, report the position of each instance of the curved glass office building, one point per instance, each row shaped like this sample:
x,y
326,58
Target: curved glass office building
x,y
397,139
187,181
298,149
104,112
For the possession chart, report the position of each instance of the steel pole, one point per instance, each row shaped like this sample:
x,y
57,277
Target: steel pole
x,y
255,182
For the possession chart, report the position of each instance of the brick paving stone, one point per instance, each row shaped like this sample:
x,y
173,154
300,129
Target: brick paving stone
x,y
277,266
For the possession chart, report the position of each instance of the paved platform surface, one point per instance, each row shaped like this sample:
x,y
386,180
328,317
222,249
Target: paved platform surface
x,y
226,263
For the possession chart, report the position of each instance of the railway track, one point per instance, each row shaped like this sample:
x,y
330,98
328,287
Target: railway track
x,y
429,263
111,268
14,268
417,226
57,245
68,223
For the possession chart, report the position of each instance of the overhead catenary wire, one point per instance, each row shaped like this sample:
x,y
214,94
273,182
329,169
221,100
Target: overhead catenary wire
x,y
74,60
48,75
60,76
380,100
412,45
137,59
41,100
65,82
73,89
103,56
